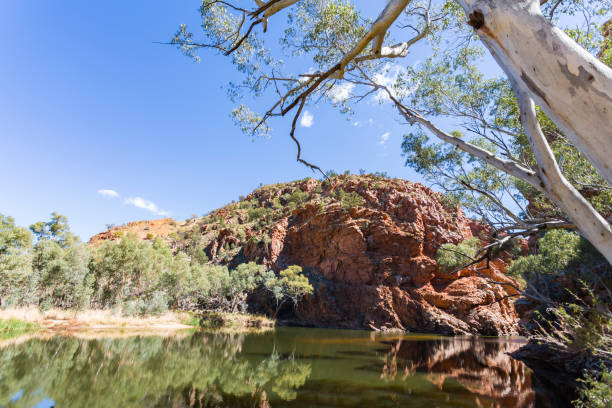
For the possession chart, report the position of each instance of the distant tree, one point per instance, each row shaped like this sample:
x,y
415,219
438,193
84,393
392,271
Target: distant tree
x,y
119,269
56,229
62,275
243,280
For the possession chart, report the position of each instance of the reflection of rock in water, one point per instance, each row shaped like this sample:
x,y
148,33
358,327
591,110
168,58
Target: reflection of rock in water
x,y
482,366
278,369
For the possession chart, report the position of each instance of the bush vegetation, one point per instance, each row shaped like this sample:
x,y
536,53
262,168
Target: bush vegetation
x,y
49,267
558,251
451,256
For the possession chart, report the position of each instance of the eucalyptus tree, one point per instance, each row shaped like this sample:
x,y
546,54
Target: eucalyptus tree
x,y
56,229
15,259
545,66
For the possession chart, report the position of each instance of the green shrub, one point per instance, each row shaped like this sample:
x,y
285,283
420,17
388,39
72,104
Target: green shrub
x,y
596,390
297,197
276,204
558,250
351,199
212,320
450,256
154,305
256,213
321,207
198,256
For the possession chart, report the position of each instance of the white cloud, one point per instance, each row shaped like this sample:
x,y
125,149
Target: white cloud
x,y
340,93
356,124
306,77
108,193
388,78
384,137
307,119
145,205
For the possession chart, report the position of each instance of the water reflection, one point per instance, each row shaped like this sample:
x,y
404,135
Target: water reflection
x,y
286,368
482,366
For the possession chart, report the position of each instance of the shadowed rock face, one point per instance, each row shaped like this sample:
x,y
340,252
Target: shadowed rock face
x,y
371,261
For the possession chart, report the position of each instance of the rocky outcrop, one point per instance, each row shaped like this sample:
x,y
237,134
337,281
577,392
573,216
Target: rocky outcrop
x,y
374,266
368,245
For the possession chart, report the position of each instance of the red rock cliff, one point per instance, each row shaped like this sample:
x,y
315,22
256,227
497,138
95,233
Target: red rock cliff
x,y
368,245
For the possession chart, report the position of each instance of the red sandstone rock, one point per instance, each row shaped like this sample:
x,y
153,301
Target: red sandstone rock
x,y
142,230
373,265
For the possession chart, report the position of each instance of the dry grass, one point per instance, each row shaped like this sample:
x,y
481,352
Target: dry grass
x,y
87,320
89,324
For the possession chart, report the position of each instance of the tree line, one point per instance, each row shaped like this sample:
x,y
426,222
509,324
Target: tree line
x,y
49,267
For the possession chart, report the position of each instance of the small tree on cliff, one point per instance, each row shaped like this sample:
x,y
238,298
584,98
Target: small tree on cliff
x,y
544,65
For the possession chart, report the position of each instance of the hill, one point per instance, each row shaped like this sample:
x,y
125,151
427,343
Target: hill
x,y
367,243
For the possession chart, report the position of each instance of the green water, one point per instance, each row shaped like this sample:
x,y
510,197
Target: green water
x,y
284,368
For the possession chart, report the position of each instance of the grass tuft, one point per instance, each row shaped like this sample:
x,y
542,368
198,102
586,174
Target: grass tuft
x,y
14,328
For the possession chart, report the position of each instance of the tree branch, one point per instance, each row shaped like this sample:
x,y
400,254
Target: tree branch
x,y
595,228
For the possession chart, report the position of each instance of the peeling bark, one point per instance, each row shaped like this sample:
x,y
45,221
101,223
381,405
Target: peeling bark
x,y
570,85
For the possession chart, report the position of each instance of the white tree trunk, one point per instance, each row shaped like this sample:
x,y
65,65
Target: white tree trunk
x,y
589,222
570,85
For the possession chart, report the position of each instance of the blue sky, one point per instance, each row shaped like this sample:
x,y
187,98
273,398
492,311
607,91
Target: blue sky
x,y
89,102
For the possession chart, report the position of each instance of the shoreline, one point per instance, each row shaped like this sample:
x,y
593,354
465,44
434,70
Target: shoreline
x,y
103,323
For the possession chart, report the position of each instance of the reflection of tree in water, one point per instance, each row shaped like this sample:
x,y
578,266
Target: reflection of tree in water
x,y
201,370
482,366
